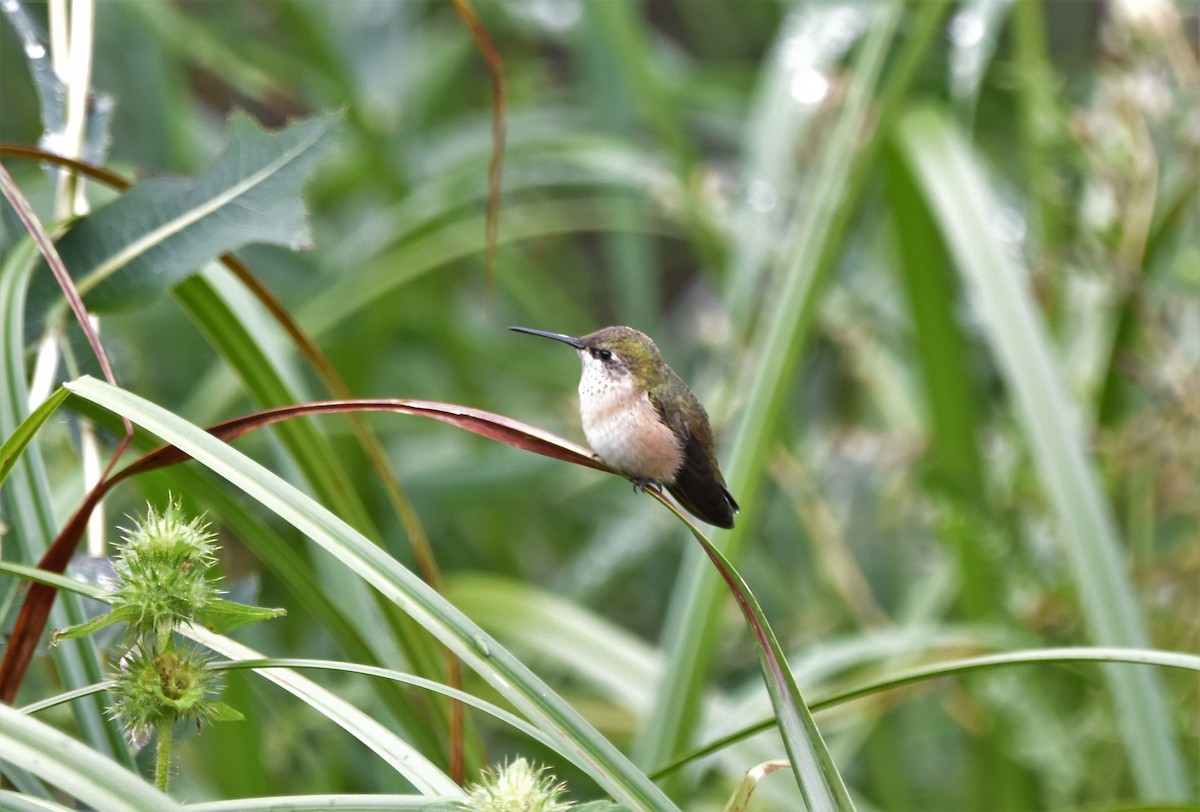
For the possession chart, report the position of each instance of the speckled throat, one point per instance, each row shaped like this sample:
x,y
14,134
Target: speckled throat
x,y
623,426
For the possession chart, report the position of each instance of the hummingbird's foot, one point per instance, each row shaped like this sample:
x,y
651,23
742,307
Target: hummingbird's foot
x,y
641,483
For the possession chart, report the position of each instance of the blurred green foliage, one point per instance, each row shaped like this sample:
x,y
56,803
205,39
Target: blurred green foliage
x,y
681,167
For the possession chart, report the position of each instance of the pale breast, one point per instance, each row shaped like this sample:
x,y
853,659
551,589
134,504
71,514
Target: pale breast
x,y
623,427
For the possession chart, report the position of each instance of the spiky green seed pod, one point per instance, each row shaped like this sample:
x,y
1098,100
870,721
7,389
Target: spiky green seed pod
x,y
517,787
164,564
152,689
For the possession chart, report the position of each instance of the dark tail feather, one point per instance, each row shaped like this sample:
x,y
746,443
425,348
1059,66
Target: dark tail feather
x,y
717,511
700,489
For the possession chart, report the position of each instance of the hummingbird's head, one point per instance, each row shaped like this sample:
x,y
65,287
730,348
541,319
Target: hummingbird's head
x,y
613,354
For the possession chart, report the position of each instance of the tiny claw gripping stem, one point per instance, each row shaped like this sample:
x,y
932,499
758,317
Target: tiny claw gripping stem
x,y
641,483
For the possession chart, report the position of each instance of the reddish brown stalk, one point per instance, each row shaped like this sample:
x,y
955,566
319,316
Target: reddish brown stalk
x,y
491,54
46,247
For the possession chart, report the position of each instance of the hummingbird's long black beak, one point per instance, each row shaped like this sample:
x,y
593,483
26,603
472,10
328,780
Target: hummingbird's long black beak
x,y
574,342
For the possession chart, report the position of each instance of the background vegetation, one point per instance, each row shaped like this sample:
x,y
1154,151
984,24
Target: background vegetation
x,y
933,268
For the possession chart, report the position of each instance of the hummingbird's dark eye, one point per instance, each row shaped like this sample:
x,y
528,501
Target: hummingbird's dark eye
x,y
604,355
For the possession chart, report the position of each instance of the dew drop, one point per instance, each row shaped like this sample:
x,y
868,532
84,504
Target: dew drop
x,y
761,196
809,86
482,644
1009,225
967,28
35,50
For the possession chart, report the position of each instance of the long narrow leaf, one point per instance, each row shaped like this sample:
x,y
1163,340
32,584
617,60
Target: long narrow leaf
x,y
16,442
957,190
695,608
927,673
575,739
818,777
75,768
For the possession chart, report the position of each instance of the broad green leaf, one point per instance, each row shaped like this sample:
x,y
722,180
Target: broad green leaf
x,y
129,252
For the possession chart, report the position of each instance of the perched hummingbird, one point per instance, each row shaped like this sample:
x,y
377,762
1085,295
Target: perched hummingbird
x,y
642,419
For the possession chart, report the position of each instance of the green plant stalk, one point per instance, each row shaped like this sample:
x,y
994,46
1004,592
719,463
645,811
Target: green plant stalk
x,y
957,190
162,753
695,608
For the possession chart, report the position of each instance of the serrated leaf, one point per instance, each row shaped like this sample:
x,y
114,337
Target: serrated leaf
x,y
220,712
120,614
224,616
129,252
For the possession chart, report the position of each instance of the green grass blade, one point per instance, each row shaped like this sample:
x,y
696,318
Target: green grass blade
x,y
423,775
817,775
15,802
75,768
265,380
696,605
956,187
553,629
315,803
28,494
1092,654
575,738
392,675
24,433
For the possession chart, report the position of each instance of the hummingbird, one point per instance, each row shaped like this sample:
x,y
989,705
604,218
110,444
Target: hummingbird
x,y
644,422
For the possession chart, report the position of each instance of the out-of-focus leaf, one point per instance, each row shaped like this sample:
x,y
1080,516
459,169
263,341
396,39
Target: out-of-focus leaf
x,y
964,207
130,251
